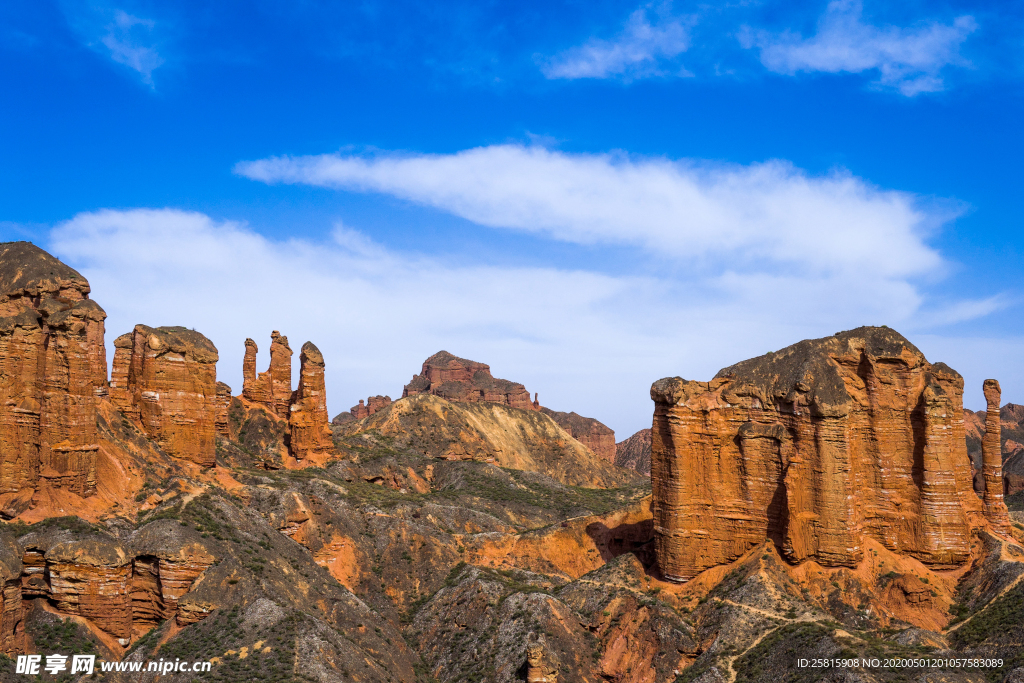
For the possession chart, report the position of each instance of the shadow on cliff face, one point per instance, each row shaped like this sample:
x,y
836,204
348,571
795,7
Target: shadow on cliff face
x,y
637,538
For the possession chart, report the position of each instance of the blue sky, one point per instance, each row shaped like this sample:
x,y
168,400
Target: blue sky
x,y
586,195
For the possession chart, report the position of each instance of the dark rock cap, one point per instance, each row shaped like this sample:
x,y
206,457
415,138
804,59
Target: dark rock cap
x,y
27,269
181,340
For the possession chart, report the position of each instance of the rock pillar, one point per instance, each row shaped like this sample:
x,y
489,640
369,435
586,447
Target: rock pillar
x,y
309,431
992,459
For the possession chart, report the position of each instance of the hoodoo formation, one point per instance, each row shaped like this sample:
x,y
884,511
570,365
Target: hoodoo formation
x,y
309,432
273,388
54,366
992,458
458,379
817,447
166,379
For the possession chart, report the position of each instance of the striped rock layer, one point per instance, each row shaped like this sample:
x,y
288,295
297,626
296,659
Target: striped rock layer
x,y
817,447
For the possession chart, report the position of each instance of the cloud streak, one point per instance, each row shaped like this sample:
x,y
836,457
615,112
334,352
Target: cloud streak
x,y
910,60
770,214
641,49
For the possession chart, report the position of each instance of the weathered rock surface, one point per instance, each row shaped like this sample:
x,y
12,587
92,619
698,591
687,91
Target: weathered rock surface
x,y
272,388
54,367
593,434
635,452
309,432
817,447
169,377
458,379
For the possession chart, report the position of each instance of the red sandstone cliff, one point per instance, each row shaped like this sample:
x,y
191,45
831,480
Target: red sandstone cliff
x,y
588,431
372,405
166,378
459,379
817,447
54,363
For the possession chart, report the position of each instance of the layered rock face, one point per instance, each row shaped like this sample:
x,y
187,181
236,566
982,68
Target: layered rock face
x,y
309,432
54,364
166,379
816,447
272,388
588,431
223,402
635,452
459,379
123,589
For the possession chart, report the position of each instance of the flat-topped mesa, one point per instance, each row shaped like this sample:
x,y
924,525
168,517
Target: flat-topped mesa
x,y
817,447
52,353
371,406
309,431
458,379
166,379
273,388
593,434
992,458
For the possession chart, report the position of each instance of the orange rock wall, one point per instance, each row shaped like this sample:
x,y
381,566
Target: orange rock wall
x,y
815,447
171,389
54,363
459,379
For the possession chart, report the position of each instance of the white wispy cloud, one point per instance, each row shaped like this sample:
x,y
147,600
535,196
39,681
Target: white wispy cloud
x,y
124,38
910,60
768,212
642,48
586,341
130,41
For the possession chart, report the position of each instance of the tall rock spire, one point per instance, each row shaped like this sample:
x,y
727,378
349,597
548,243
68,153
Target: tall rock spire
x,y
992,459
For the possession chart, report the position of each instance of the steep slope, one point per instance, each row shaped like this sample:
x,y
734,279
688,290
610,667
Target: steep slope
x,y
488,432
635,452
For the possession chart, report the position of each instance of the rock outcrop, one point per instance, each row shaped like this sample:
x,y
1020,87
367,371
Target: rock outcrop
x,y
272,388
309,431
372,405
817,447
54,366
635,452
166,379
593,434
458,379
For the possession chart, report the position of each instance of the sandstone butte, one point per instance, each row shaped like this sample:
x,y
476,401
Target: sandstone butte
x,y
54,367
819,447
458,379
165,378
